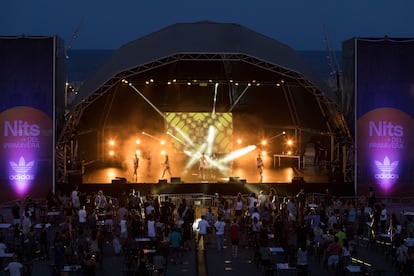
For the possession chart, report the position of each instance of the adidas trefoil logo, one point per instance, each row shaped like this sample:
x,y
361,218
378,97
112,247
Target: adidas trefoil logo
x,y
386,167
22,167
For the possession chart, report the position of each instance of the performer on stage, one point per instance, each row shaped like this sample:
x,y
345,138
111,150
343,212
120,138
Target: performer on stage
x,y
213,166
202,166
259,161
148,163
166,165
135,161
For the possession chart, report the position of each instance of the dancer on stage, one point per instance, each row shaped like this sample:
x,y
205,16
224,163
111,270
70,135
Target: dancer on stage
x,y
148,163
213,166
260,166
166,165
135,162
202,166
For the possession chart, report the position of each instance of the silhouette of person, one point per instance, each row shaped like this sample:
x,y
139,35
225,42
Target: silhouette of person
x,y
202,165
166,165
135,162
259,164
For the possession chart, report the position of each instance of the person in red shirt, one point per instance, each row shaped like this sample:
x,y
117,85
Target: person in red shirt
x,y
234,237
333,252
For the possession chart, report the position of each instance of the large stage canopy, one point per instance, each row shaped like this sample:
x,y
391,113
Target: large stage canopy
x,y
205,68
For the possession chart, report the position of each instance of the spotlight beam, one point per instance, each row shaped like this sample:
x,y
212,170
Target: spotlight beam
x,y
240,96
159,112
214,99
148,101
277,135
176,138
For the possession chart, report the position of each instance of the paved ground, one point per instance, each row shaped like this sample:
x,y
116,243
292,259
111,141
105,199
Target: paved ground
x,y
222,263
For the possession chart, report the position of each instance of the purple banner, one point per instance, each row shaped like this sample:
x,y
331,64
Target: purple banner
x,y
384,109
26,117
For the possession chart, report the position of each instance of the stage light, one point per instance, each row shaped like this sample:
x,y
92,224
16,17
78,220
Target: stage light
x,y
174,80
162,142
236,84
138,152
258,84
231,81
111,153
163,152
146,82
211,134
278,84
289,153
151,80
169,83
264,142
264,153
137,141
111,143
290,142
188,83
239,141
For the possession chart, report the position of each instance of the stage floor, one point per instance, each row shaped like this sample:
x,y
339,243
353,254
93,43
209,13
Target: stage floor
x,y
284,174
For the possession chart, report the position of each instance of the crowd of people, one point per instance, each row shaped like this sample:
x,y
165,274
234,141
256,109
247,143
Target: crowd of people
x,y
153,231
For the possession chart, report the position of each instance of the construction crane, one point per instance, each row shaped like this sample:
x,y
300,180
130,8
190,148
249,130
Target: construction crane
x,y
74,36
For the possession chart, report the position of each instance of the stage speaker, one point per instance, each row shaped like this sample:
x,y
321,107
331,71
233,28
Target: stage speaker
x,y
162,181
242,181
121,180
298,180
175,179
234,179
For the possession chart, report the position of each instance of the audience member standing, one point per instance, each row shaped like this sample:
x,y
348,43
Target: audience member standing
x,y
219,225
14,267
202,232
234,237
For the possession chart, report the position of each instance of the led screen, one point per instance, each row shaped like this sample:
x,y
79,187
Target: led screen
x,y
195,131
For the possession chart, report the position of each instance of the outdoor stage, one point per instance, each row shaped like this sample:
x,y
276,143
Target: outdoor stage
x,y
286,180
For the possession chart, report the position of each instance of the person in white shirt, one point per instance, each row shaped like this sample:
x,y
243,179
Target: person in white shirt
x,y
124,228
252,202
238,209
219,225
75,198
82,216
151,232
14,267
202,230
261,199
26,223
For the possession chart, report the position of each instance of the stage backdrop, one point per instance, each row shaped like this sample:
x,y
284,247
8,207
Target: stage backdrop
x,y
384,106
28,82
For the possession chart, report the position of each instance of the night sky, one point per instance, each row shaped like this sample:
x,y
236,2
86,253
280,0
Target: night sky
x,y
301,24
